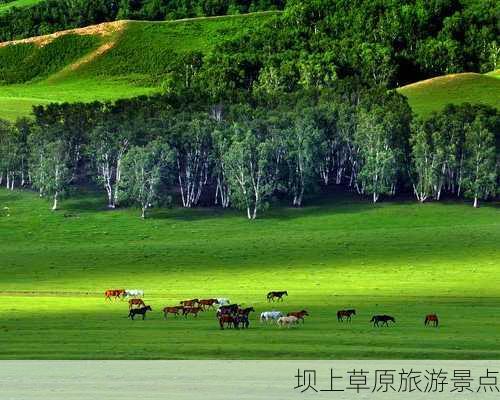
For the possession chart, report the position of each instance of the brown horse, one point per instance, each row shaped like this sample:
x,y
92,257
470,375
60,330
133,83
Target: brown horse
x,y
113,293
191,310
298,314
245,311
345,313
229,320
136,302
189,303
431,318
172,310
208,303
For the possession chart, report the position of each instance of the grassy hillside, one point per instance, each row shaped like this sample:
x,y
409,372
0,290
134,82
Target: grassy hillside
x,y
433,94
106,62
404,259
17,3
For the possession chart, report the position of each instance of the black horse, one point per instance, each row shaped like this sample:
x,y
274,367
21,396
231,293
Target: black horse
x,y
382,318
142,311
345,313
276,295
231,309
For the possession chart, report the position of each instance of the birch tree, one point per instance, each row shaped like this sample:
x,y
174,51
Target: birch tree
x,y
379,159
109,143
192,148
424,163
249,168
142,174
480,171
50,172
300,144
221,142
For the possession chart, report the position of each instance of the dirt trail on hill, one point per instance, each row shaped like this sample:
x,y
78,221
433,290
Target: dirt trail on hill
x,y
104,29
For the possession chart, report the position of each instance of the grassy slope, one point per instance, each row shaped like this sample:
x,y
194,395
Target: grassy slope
x,y
17,3
139,54
433,94
404,259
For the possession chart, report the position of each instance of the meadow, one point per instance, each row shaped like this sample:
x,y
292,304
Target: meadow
x,y
401,258
433,94
4,7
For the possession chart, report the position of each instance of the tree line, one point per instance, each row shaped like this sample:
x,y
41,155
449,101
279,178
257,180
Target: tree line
x,y
153,150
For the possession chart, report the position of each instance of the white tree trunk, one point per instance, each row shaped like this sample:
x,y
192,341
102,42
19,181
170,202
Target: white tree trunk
x,y
476,202
54,207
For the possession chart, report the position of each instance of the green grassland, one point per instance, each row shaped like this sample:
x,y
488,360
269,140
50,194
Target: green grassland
x,y
4,7
433,94
137,58
401,258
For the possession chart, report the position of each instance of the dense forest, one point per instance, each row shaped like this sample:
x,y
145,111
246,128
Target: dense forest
x,y
182,150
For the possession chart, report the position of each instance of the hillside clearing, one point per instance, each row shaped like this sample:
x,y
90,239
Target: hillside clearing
x,y
433,94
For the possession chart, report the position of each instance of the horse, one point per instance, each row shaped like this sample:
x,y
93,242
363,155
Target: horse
x,y
278,295
134,311
134,293
229,320
382,318
287,321
270,316
136,302
345,313
172,310
245,311
115,293
242,320
189,303
230,310
222,301
208,303
299,314
191,310
431,318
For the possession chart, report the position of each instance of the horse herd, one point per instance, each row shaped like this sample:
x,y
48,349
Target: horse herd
x,y
234,316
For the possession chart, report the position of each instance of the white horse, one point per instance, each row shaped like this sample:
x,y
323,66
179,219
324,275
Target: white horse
x,y
223,301
270,316
287,321
134,293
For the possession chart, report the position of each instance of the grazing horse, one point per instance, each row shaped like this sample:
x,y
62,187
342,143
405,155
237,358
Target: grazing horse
x,y
113,293
287,321
345,313
134,311
229,320
191,310
299,314
227,310
133,293
208,303
382,318
136,302
189,303
245,311
267,316
172,310
432,318
276,295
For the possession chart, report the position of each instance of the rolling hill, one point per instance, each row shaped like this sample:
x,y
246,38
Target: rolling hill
x,y
124,59
109,61
433,94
